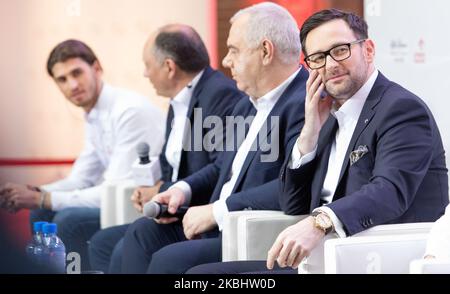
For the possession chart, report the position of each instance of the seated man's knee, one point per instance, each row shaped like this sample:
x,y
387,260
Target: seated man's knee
x,y
66,217
141,227
98,242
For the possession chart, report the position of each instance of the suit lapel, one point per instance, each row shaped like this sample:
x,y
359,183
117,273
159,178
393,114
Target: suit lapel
x,y
198,89
365,117
276,111
251,154
230,155
187,140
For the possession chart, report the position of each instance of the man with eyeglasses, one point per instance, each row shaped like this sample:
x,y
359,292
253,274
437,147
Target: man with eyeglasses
x,y
369,153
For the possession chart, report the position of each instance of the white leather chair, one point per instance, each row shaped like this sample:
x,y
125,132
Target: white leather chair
x,y
248,235
115,206
430,266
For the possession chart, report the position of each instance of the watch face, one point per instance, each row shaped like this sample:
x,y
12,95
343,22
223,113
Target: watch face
x,y
323,221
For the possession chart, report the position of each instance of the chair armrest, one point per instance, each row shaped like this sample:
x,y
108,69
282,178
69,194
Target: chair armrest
x,y
397,229
115,204
230,230
108,205
430,266
256,234
248,235
389,254
125,211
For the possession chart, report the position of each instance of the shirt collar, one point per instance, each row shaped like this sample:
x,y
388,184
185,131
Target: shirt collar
x,y
268,100
352,108
184,96
101,104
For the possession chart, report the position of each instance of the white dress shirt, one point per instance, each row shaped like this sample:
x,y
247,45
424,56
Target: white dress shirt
x,y
347,117
264,106
180,106
438,243
118,122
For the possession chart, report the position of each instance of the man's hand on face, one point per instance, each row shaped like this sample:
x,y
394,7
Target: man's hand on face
x,y
317,111
142,195
294,243
197,220
173,198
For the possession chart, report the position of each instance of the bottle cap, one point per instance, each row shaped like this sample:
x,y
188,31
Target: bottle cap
x,y
37,226
49,228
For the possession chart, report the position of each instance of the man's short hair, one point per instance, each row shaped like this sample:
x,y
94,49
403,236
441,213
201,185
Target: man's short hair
x,y
70,49
357,24
184,46
273,22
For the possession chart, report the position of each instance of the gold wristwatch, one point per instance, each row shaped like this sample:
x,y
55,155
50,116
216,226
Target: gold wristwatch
x,y
323,222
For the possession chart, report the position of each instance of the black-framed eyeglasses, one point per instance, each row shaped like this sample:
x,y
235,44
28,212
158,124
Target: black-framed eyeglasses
x,y
338,53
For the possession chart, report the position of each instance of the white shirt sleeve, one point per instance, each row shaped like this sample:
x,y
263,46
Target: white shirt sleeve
x,y
297,160
438,243
187,191
86,171
220,209
337,224
134,125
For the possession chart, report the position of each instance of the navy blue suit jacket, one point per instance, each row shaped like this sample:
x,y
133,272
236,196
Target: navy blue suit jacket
x,y
257,184
402,178
215,95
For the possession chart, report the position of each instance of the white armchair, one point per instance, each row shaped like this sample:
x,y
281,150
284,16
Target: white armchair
x,y
430,266
248,235
116,207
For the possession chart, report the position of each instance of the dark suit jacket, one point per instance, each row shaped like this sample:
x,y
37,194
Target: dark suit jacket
x,y
257,184
402,178
215,95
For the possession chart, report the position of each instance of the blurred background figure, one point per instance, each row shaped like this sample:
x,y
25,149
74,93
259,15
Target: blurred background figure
x,y
116,120
177,65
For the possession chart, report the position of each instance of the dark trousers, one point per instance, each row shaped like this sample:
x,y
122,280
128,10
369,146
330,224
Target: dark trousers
x,y
151,248
105,249
76,225
239,267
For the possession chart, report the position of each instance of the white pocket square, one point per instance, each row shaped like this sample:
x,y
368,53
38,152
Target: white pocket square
x,y
357,154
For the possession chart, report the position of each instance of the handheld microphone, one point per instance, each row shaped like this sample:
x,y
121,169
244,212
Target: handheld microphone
x,y
143,150
157,210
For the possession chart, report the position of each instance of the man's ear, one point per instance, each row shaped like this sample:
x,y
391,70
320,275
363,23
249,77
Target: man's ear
x,y
97,66
267,51
170,67
369,50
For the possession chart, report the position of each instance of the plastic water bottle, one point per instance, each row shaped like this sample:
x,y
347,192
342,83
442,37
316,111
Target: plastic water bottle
x,y
54,249
34,248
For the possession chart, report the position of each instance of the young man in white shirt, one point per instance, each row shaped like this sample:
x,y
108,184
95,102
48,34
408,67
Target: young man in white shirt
x,y
116,120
